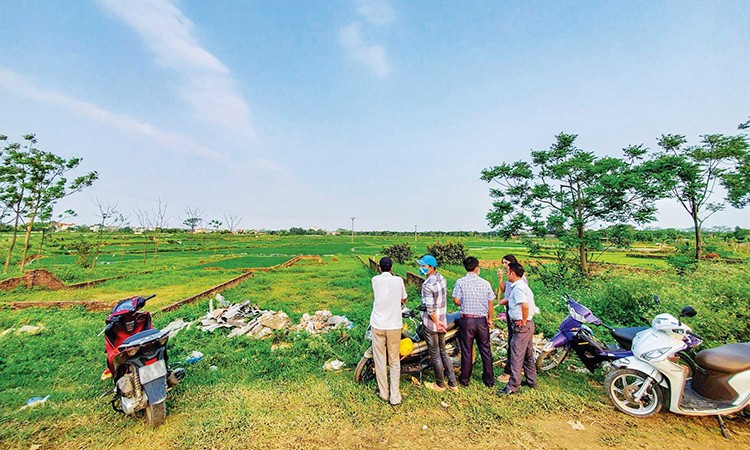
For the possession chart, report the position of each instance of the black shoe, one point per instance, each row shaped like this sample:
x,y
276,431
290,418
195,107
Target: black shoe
x,y
506,391
527,384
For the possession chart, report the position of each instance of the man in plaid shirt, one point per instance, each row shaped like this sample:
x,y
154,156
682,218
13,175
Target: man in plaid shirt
x,y
475,296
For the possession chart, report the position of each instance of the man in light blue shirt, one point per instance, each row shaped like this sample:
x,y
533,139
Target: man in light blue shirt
x,y
521,310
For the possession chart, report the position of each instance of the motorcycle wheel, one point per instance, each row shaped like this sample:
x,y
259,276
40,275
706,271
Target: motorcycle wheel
x,y
156,414
622,384
365,370
550,359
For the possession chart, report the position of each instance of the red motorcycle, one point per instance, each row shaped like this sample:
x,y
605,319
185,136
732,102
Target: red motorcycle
x,y
137,361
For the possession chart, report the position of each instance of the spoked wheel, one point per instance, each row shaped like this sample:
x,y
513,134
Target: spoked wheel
x,y
549,359
622,386
365,370
155,414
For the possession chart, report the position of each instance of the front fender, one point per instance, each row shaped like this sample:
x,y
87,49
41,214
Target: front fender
x,y
561,339
641,366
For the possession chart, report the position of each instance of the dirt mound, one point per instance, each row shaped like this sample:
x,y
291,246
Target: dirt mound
x,y
32,278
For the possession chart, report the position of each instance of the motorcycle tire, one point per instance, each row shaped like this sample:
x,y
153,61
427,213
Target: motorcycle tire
x,y
621,384
156,414
365,370
550,359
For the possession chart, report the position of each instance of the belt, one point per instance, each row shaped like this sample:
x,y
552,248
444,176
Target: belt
x,y
473,316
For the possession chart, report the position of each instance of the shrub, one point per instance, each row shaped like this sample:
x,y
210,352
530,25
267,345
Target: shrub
x,y
448,253
398,252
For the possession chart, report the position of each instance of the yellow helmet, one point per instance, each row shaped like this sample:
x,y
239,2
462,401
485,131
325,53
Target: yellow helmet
x,y
405,347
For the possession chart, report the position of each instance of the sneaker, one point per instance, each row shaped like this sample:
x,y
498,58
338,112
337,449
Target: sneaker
x,y
527,384
434,387
505,392
453,388
503,378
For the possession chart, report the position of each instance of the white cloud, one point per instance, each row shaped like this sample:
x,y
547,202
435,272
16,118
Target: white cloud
x,y
376,12
205,82
177,143
373,57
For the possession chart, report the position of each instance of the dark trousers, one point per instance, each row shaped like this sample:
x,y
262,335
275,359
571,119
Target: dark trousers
x,y
522,356
509,323
475,329
441,362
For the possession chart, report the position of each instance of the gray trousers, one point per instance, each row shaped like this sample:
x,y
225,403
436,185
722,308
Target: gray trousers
x,y
385,348
521,356
441,362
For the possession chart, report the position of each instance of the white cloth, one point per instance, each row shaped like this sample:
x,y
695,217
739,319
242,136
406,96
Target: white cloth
x,y
389,290
521,293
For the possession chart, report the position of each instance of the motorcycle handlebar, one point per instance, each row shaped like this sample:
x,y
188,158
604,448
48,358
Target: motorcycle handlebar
x,y
149,297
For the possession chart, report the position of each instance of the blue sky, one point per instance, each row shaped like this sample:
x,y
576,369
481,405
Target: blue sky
x,y
293,113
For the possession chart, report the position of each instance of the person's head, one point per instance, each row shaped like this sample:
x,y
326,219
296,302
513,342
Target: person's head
x,y
385,264
427,265
507,259
515,272
471,264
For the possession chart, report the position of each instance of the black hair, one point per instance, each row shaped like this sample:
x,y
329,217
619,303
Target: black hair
x,y
511,259
517,269
385,264
470,263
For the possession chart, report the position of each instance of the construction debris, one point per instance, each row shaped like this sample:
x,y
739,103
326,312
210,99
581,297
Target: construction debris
x,y
334,365
26,329
175,326
322,322
245,320
499,341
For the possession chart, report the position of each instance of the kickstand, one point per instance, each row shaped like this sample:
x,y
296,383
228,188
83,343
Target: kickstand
x,y
420,378
722,426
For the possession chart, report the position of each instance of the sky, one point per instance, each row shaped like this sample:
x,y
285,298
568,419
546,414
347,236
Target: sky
x,y
305,114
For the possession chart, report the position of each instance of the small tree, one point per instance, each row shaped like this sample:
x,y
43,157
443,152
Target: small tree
x,y
398,252
232,221
717,159
193,218
110,220
565,190
448,253
153,221
215,225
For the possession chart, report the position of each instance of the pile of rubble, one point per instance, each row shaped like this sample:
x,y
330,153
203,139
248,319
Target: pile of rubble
x,y
322,322
245,319
499,341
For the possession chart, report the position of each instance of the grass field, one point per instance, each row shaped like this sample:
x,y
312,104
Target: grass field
x,y
281,398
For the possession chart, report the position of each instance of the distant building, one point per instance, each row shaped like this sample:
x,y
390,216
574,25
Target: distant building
x,y
60,226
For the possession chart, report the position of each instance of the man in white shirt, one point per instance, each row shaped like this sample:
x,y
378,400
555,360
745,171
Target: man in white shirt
x,y
521,310
386,325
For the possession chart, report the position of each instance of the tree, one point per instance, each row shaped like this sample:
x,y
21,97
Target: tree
x,y
717,159
215,225
566,190
33,181
232,221
153,221
110,220
193,218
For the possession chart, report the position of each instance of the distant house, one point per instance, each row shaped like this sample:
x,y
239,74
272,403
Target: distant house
x,y
60,226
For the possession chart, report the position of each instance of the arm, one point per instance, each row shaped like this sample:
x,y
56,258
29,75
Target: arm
x,y
524,314
457,301
403,293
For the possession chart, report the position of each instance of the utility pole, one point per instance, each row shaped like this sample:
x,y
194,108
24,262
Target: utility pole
x,y
353,229
415,234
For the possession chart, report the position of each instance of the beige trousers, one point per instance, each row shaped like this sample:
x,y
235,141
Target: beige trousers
x,y
385,347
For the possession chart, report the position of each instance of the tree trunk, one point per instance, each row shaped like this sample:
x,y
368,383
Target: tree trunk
x,y
698,239
12,244
26,240
582,250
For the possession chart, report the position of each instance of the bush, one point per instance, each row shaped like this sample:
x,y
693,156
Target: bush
x,y
399,252
683,264
448,253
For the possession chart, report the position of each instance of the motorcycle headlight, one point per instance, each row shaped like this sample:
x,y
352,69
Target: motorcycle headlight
x,y
655,354
575,315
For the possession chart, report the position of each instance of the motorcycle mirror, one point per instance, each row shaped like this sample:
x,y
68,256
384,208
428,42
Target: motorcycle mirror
x,y
656,299
688,311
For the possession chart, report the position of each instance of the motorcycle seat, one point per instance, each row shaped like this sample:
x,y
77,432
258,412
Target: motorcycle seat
x,y
730,358
138,336
452,320
626,335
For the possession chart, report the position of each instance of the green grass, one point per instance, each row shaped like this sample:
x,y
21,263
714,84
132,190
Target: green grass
x,y
261,398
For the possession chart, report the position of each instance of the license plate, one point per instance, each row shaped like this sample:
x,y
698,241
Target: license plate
x,y
152,371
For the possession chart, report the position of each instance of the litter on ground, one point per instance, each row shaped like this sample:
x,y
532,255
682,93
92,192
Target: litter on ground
x,y
322,322
334,365
194,357
35,401
245,320
576,425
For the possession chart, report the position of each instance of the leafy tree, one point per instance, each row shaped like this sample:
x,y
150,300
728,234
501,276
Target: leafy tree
x,y
566,190
717,159
398,252
448,253
193,218
33,181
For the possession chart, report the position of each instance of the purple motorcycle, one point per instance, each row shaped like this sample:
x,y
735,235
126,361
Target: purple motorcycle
x,y
574,334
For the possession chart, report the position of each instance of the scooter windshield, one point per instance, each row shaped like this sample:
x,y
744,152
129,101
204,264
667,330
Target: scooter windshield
x,y
581,313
